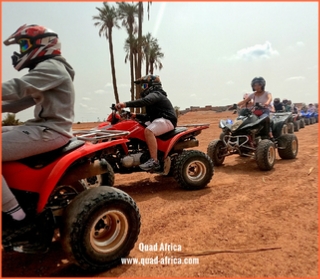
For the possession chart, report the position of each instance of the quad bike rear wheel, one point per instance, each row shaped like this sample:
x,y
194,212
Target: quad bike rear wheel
x,y
288,146
307,121
215,151
193,169
302,123
312,120
265,155
100,226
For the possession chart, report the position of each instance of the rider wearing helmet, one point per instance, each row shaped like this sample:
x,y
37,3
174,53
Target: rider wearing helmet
x,y
248,104
311,108
48,86
278,105
159,111
262,97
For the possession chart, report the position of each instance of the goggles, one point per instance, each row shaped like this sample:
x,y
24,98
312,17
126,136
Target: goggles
x,y
25,44
144,86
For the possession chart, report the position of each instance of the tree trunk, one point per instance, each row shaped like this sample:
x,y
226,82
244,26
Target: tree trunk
x,y
131,65
151,68
113,69
147,64
139,66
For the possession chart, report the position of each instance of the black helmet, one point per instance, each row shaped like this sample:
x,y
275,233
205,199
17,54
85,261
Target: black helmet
x,y
148,83
259,80
276,100
149,79
285,101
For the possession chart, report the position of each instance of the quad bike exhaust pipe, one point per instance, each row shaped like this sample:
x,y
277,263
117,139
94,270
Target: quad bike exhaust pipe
x,y
83,171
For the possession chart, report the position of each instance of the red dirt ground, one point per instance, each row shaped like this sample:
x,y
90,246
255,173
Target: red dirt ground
x,y
241,209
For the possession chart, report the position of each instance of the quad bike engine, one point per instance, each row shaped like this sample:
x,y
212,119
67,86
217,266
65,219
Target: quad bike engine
x,y
131,160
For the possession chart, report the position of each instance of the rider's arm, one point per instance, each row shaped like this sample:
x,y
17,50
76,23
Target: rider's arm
x,y
269,99
150,99
42,78
244,101
18,105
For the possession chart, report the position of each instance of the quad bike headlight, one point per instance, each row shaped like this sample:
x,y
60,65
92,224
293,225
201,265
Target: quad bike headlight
x,y
236,125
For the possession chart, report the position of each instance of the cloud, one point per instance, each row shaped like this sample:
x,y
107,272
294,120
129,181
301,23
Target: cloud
x,y
83,105
230,82
99,91
298,78
300,44
86,99
258,51
108,84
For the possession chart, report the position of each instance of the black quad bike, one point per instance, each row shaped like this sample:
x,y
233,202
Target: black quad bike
x,y
249,136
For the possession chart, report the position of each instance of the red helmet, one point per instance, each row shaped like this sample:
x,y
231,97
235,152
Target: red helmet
x,y
36,44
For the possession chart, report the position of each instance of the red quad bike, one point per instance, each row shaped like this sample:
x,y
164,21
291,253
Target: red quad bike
x,y
192,169
98,226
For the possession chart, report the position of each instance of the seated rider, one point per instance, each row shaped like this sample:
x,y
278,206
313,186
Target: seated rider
x,y
48,86
262,97
278,105
249,104
160,113
287,105
311,108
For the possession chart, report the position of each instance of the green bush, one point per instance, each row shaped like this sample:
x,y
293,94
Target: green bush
x,y
10,120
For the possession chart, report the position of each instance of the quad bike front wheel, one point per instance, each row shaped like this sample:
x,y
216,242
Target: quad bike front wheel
x,y
296,125
265,155
100,226
288,146
216,151
193,169
290,126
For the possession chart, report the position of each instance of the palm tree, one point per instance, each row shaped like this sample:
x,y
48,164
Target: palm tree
x,y
148,40
152,53
106,20
155,54
127,13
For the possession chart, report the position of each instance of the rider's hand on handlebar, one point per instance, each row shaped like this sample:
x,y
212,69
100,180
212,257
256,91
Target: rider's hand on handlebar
x,y
133,115
120,105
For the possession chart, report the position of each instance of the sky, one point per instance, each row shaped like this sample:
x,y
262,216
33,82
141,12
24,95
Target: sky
x,y
212,50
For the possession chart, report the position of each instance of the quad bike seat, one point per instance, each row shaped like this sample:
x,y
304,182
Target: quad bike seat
x,y
172,133
41,160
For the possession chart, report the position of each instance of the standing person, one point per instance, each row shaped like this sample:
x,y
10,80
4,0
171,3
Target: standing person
x,y
260,96
160,113
49,87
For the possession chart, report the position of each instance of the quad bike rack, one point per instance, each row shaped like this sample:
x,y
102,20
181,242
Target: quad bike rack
x,y
96,136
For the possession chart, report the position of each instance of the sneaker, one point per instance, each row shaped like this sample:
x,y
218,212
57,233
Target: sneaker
x,y
150,165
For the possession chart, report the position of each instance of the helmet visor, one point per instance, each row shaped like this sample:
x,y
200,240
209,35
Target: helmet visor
x,y
25,45
144,86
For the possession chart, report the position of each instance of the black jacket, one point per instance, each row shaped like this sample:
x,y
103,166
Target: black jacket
x,y
157,105
279,107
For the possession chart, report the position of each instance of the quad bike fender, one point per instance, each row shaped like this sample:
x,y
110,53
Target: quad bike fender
x,y
64,163
167,146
